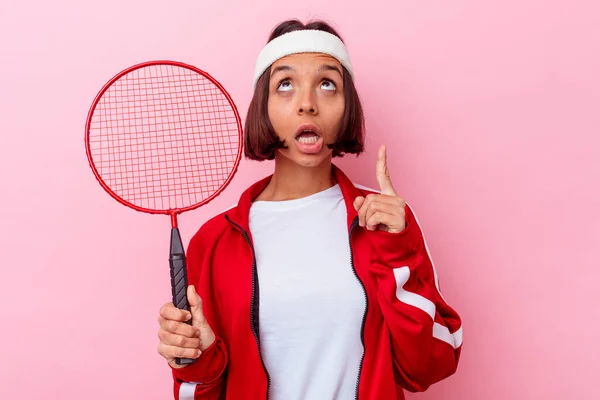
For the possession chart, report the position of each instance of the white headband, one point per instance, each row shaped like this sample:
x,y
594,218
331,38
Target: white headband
x,y
306,41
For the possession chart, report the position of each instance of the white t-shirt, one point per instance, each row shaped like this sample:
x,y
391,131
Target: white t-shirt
x,y
311,304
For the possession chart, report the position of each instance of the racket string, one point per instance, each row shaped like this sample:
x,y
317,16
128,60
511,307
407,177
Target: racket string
x,y
164,138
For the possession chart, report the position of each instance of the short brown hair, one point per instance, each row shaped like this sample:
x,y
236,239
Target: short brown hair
x,y
260,140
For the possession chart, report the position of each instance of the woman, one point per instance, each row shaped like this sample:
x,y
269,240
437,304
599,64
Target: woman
x,y
311,288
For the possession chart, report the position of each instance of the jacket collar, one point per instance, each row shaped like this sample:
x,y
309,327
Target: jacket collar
x,y
240,214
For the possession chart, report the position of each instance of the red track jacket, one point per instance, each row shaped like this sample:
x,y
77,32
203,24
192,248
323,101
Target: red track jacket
x,y
412,338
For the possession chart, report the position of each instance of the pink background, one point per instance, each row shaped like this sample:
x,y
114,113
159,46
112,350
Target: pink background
x,y
491,113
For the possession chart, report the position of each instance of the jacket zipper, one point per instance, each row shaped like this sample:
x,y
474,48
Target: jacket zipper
x,y
253,316
253,307
362,328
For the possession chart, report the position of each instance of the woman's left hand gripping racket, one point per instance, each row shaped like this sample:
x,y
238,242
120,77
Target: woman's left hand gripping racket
x,y
164,137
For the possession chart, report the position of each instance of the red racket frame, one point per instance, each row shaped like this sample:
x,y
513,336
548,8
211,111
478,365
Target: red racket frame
x,y
175,211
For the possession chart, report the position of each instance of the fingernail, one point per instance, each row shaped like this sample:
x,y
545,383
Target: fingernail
x,y
188,317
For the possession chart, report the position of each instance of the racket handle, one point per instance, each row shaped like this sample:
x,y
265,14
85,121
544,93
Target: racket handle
x,y
179,282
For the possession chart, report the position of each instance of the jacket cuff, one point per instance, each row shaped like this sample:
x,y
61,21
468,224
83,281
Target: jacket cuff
x,y
207,368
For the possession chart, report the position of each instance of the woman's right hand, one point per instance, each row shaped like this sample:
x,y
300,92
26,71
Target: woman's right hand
x,y
177,338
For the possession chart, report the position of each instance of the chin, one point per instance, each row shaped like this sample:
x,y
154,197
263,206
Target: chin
x,y
309,163
307,160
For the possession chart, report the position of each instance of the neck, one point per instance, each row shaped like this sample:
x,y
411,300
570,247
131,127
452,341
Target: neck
x,y
292,181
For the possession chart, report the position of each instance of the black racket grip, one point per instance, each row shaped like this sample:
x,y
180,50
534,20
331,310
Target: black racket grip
x,y
179,282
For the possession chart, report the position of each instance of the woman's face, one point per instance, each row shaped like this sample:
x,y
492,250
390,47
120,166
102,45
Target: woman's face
x,y
306,105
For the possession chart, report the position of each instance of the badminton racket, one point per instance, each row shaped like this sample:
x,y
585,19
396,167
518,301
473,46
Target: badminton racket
x,y
164,137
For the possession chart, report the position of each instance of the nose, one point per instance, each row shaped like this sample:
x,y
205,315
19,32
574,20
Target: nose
x,y
307,103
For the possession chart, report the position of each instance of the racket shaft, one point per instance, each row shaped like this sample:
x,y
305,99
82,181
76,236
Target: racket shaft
x,y
179,282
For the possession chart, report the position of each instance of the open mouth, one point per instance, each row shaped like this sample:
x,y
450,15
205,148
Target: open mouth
x,y
308,133
308,138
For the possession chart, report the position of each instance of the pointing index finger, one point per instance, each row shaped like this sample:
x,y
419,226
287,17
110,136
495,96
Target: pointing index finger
x,y
383,175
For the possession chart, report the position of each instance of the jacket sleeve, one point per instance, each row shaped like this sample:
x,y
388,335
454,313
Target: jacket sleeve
x,y
204,379
426,333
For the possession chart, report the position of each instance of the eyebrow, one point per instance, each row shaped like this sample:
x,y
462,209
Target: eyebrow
x,y
329,67
282,68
